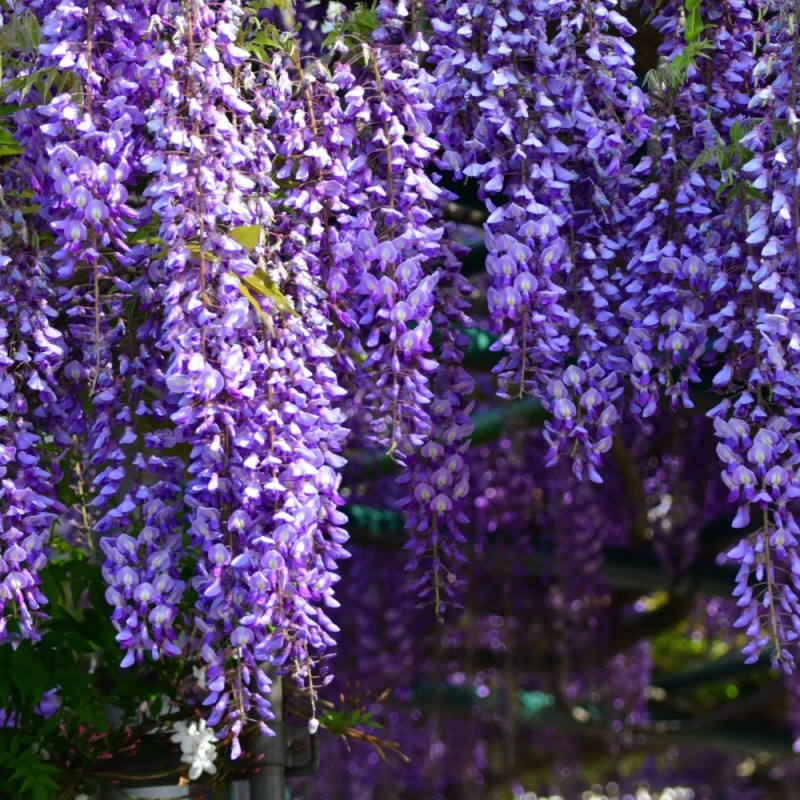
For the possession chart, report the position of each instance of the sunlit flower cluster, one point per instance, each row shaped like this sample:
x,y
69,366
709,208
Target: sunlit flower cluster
x,y
226,268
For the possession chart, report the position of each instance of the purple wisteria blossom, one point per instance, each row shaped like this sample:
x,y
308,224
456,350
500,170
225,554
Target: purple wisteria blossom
x,y
32,353
537,77
227,267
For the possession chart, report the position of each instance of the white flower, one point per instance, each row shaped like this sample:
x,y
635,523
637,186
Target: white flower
x,y
198,747
203,762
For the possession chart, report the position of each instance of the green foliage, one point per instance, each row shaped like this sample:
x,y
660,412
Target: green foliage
x,y
147,234
356,28
247,236
68,660
27,773
694,22
20,37
19,43
374,522
705,673
47,83
729,158
339,721
22,34
673,75
27,676
268,38
681,646
479,351
254,6
9,146
260,283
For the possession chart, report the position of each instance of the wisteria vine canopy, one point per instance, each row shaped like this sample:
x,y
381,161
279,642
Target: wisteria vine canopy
x,y
440,346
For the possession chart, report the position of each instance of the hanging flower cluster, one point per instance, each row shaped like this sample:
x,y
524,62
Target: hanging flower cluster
x,y
226,267
552,122
228,251
724,239
638,237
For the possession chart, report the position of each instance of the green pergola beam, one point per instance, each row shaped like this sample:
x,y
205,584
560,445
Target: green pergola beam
x,y
624,570
719,670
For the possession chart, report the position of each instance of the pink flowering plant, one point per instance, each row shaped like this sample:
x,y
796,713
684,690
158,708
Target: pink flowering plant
x,y
254,260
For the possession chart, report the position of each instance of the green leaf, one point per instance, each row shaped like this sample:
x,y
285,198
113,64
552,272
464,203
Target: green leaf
x,y
38,779
262,284
363,21
22,34
248,236
48,81
357,27
673,75
694,23
282,5
23,84
708,156
751,193
196,250
270,37
5,676
7,109
9,146
265,318
147,233
337,721
29,675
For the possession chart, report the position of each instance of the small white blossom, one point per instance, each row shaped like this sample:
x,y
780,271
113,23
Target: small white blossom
x,y
198,747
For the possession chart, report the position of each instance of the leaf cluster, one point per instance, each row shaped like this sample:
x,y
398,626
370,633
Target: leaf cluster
x,y
42,757
338,721
355,28
694,25
19,43
672,75
728,158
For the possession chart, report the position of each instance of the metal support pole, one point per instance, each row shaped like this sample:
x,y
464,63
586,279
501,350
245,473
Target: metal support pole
x,y
291,752
270,782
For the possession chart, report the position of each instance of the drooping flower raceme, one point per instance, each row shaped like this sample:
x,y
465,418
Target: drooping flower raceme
x,y
223,251
31,355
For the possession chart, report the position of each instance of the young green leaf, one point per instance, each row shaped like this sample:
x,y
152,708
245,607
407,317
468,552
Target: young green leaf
x,y
9,146
261,283
247,236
